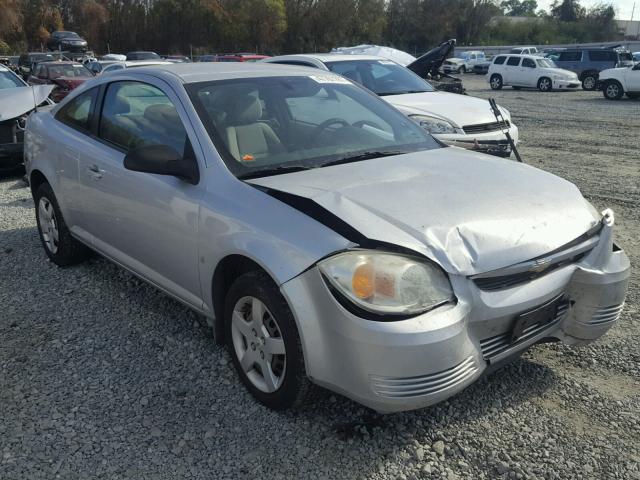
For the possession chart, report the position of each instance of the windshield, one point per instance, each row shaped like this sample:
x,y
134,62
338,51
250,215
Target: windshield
x,y
143,56
382,77
56,71
271,125
545,63
9,80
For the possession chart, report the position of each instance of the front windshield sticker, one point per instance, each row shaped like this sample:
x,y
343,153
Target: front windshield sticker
x,y
329,79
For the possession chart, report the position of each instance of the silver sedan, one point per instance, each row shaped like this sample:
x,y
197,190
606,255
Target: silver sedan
x,y
328,239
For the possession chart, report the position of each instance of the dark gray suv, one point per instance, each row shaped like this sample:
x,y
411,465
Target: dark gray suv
x,y
588,63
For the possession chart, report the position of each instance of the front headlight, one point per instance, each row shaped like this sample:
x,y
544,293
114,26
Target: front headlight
x,y
386,283
433,125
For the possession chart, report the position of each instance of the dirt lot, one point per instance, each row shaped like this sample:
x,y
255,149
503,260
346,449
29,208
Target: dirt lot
x,y
102,376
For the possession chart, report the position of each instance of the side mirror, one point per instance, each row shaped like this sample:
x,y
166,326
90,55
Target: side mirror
x,y
162,160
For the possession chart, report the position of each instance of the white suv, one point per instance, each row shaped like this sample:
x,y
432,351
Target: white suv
x,y
464,63
615,82
530,71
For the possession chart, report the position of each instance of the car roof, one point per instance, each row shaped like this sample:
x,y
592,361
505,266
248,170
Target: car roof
x,y
142,63
203,72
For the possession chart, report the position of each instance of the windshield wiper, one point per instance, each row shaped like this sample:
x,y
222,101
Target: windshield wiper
x,y
385,94
267,172
363,156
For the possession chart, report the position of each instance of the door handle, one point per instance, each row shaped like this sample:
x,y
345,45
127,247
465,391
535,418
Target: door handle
x,y
96,173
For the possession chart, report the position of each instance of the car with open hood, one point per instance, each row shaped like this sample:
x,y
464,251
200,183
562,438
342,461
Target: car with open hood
x,y
328,239
430,67
459,120
17,101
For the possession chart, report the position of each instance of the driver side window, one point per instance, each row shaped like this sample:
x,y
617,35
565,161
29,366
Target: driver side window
x,y
136,114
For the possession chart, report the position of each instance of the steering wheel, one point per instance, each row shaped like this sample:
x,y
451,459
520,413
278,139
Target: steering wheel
x,y
362,123
326,124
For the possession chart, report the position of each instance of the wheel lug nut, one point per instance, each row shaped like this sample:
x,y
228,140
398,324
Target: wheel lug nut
x,y
253,346
262,355
255,334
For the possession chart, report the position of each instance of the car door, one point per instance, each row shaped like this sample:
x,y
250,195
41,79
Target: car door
x,y
144,221
632,79
528,73
512,71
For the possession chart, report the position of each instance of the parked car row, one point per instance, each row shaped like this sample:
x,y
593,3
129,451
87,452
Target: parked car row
x,y
327,239
524,71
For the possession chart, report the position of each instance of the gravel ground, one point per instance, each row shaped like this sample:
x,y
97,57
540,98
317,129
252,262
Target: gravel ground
x,y
101,376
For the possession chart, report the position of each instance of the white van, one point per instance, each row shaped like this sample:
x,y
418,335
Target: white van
x,y
528,71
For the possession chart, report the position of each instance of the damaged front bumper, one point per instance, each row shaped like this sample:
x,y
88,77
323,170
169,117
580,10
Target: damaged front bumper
x,y
408,364
492,143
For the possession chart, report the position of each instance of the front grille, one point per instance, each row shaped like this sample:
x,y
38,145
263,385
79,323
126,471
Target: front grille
x,y
491,284
497,344
530,270
605,315
486,127
406,387
7,134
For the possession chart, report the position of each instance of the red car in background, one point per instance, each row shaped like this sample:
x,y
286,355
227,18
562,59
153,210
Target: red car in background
x,y
64,75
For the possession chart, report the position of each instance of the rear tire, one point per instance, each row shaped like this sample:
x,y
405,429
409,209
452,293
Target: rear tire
x,y
259,322
545,84
613,90
61,248
589,82
496,82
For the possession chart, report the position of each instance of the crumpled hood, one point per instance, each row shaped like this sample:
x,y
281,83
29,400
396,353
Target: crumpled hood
x,y
460,109
469,212
17,101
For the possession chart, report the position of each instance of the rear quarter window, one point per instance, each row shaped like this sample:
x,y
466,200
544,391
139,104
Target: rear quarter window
x,y
499,60
603,56
79,111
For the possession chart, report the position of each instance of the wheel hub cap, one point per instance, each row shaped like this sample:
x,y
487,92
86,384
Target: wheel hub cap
x,y
48,225
258,344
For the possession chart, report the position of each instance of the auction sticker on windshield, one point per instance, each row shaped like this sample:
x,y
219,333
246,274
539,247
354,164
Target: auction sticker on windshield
x,y
329,79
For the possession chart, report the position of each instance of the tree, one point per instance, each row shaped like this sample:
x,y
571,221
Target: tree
x,y
567,10
520,8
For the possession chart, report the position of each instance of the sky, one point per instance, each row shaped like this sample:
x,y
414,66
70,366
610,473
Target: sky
x,y
623,7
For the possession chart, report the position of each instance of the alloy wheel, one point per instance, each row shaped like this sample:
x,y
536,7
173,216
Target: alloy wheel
x,y
545,84
613,90
589,83
496,83
48,224
258,344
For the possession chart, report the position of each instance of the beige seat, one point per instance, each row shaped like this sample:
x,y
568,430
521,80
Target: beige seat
x,y
245,134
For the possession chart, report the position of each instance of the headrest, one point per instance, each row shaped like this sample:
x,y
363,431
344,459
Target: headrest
x,y
120,106
244,110
163,114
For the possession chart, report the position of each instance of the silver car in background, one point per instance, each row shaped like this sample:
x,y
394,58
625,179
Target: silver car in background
x,y
327,238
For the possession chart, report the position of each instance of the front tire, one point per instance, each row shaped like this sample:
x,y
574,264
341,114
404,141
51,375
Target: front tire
x,y
496,82
61,248
545,84
613,90
263,341
589,82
